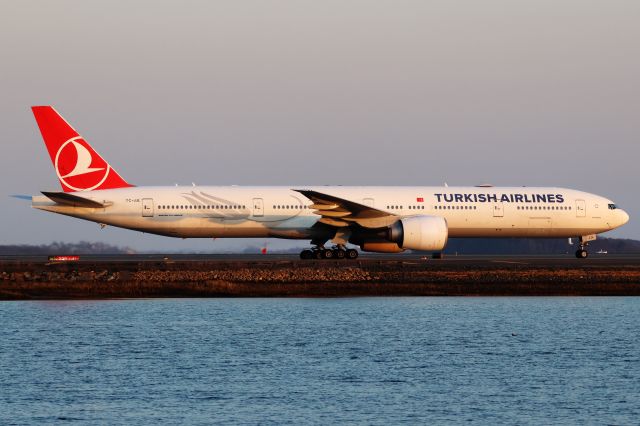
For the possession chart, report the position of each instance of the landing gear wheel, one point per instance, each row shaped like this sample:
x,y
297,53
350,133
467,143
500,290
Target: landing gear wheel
x,y
306,254
327,254
340,254
319,254
352,254
582,254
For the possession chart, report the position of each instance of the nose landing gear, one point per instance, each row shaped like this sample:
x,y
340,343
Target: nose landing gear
x,y
582,252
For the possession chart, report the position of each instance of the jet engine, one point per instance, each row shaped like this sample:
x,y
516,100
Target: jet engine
x,y
381,247
428,233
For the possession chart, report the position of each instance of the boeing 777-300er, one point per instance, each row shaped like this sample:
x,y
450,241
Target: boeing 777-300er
x,y
376,218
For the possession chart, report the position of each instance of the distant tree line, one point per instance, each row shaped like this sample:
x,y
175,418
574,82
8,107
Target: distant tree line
x,y
507,246
460,246
55,248
537,246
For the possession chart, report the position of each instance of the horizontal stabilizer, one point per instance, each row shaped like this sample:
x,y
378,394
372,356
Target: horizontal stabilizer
x,y
23,197
67,199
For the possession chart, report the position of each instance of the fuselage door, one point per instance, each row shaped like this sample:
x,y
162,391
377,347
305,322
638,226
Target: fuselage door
x,y
258,207
498,210
369,202
581,208
147,207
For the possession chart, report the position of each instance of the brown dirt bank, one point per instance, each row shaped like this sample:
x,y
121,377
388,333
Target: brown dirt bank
x,y
96,280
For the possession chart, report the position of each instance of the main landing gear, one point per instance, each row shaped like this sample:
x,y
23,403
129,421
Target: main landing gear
x,y
334,253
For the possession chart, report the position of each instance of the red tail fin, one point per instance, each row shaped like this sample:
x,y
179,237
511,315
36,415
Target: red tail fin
x,y
77,164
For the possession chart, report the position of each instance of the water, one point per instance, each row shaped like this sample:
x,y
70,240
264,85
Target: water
x,y
291,361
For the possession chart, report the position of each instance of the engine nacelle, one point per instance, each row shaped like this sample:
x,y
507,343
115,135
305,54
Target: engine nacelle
x,y
428,233
381,247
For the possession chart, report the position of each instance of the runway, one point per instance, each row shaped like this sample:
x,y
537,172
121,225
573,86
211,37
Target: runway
x,y
595,260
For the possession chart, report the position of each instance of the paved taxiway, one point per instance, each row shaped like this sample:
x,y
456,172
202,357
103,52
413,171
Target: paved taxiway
x,y
595,260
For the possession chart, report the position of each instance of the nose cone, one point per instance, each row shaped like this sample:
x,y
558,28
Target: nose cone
x,y
624,217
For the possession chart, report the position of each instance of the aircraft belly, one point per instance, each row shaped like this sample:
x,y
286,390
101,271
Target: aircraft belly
x,y
553,232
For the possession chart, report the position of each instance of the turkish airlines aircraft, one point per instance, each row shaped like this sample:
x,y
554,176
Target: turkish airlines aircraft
x,y
378,219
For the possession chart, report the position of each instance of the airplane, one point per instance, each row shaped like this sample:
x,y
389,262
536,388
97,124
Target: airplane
x,y
384,219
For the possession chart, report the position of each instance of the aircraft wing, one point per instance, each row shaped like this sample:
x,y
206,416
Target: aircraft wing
x,y
68,199
339,212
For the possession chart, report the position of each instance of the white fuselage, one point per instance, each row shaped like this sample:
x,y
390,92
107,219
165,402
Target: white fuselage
x,y
234,211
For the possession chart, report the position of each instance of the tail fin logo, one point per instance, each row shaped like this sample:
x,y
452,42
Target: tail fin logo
x,y
78,166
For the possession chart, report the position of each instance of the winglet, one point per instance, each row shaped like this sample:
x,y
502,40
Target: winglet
x,y
77,164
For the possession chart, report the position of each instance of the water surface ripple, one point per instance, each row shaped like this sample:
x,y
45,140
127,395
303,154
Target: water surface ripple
x,y
291,361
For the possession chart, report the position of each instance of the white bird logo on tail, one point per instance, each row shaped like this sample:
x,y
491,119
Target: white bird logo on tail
x,y
83,163
81,167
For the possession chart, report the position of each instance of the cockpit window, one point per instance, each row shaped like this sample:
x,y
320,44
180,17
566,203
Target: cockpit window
x,y
612,207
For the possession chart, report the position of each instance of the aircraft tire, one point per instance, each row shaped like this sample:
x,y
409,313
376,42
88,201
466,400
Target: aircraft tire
x,y
582,254
352,254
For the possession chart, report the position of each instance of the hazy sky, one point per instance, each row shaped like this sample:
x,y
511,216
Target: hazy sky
x,y
321,92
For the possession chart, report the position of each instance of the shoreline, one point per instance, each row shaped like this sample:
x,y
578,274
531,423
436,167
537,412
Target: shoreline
x,y
383,278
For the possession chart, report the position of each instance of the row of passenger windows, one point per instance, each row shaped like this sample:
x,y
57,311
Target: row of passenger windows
x,y
401,207
544,208
204,207
288,206
456,207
